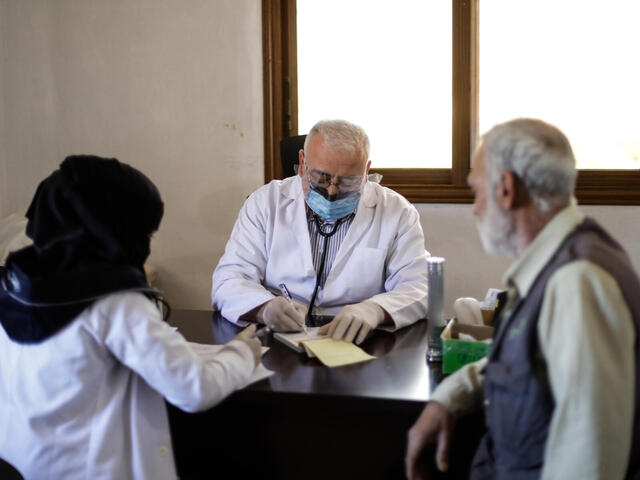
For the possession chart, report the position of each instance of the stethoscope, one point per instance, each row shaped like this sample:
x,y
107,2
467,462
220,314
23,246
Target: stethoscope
x,y
326,236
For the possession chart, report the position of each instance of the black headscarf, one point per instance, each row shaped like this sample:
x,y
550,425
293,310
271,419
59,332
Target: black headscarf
x,y
91,222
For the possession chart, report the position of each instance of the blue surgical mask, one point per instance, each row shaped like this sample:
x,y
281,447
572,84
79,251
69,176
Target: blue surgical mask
x,y
331,207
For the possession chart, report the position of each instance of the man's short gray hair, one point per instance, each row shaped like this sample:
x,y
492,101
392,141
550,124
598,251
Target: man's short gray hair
x,y
538,153
340,136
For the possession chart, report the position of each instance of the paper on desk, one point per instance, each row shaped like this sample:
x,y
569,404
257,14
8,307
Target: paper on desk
x,y
335,353
295,340
207,350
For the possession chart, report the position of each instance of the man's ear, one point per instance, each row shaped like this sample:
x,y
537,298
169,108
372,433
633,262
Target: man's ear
x,y
506,190
300,161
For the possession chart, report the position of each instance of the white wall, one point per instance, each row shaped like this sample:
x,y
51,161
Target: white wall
x,y
175,89
172,87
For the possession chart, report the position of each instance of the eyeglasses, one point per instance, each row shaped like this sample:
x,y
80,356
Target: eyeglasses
x,y
344,183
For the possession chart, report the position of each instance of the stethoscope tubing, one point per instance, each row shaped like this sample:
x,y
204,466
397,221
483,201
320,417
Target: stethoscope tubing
x,y
326,236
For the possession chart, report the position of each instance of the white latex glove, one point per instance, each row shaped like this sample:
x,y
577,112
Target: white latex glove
x,y
359,318
248,336
283,315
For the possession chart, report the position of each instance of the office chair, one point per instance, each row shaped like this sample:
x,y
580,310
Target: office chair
x,y
7,472
289,148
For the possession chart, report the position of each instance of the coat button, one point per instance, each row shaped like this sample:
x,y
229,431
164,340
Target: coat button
x,y
486,402
163,450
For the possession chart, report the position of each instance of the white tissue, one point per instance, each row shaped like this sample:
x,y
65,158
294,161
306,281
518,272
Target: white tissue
x,y
467,310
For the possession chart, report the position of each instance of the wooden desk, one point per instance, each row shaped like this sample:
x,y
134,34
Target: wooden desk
x,y
307,421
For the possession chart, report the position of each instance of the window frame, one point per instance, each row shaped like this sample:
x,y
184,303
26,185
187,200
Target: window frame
x,y
418,185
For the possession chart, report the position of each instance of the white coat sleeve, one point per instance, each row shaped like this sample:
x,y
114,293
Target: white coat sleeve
x,y
461,392
237,280
587,339
136,335
405,297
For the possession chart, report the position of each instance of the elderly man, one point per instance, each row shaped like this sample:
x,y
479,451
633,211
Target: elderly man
x,y
344,246
560,388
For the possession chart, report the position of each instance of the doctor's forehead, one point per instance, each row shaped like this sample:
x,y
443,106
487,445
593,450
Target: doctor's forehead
x,y
333,161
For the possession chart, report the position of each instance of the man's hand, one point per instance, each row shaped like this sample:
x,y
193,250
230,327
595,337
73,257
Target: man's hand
x,y
248,336
359,318
283,315
433,427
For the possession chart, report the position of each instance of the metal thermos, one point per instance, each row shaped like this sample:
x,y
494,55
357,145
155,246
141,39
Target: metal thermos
x,y
435,313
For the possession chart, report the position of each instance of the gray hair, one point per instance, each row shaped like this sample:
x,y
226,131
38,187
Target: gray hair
x,y
538,153
340,136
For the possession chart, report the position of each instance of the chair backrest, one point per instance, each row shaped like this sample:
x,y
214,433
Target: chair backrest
x,y
8,472
289,148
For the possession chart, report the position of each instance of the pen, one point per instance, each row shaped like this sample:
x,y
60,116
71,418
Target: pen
x,y
287,295
263,332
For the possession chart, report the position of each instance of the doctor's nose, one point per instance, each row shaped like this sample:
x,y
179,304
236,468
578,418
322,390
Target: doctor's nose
x,y
332,189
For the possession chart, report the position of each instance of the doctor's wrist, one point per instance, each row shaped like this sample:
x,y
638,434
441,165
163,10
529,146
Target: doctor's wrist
x,y
255,315
376,312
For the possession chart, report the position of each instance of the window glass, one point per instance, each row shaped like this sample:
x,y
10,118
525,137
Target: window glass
x,y
385,66
573,63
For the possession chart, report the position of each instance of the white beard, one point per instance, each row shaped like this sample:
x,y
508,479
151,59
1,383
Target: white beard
x,y
496,230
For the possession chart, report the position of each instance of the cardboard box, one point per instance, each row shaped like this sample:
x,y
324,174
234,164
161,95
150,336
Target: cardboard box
x,y
487,316
457,353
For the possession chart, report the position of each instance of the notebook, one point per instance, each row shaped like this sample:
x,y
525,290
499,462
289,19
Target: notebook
x,y
293,340
335,353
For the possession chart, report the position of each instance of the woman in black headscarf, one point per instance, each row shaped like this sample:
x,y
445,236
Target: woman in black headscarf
x,y
85,357
91,222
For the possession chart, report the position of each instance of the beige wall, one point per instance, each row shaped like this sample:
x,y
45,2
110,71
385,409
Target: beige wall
x,y
175,88
172,87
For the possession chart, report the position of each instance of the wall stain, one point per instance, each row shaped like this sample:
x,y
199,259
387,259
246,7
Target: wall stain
x,y
234,128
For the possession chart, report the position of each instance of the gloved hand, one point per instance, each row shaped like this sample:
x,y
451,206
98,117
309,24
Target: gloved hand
x,y
359,318
248,336
283,315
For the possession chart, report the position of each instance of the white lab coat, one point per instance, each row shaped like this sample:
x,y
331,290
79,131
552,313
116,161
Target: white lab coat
x,y
87,403
382,257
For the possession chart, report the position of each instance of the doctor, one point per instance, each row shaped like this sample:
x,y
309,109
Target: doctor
x,y
344,246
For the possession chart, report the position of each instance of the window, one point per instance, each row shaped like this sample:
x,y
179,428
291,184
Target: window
x,y
359,72
582,76
570,64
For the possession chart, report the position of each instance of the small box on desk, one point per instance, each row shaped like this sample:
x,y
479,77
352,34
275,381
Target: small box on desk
x,y
456,353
